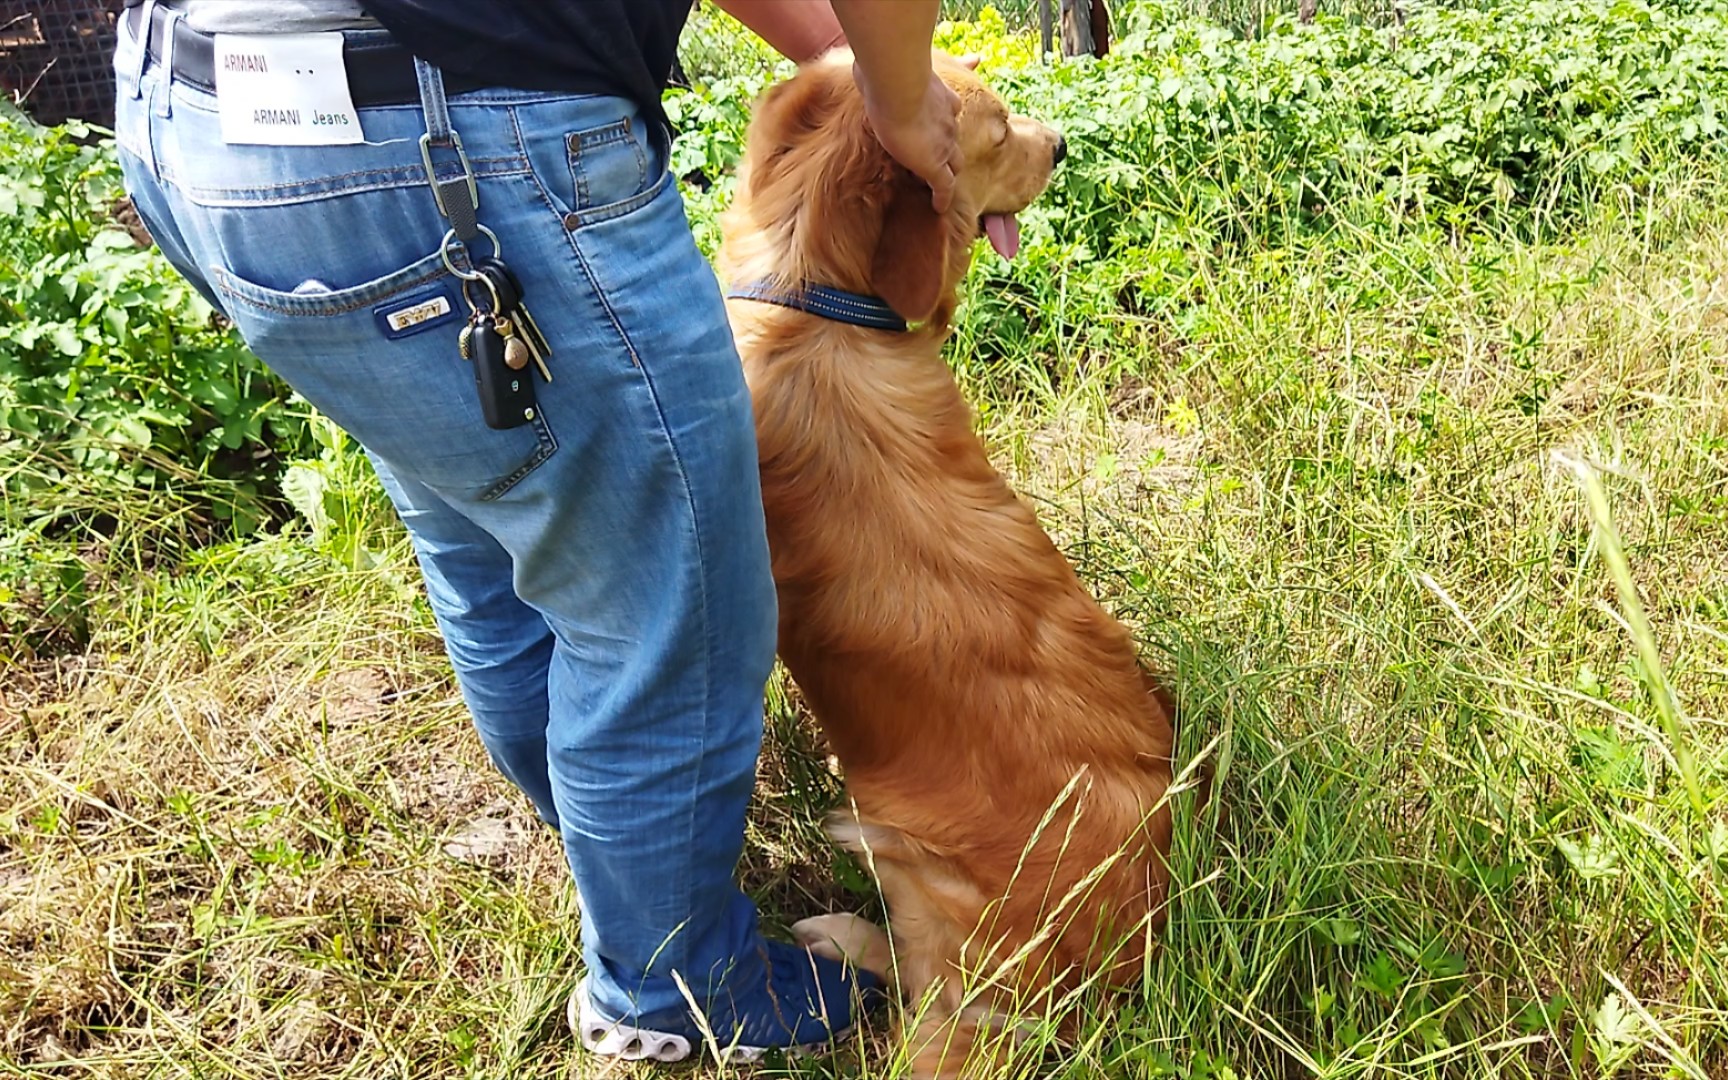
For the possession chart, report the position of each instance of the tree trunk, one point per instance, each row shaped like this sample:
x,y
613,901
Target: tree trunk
x,y
1305,10
1085,28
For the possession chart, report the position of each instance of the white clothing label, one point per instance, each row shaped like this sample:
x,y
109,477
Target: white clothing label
x,y
284,90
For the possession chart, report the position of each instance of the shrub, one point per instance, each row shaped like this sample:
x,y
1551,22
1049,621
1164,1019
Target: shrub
x,y
114,373
1189,144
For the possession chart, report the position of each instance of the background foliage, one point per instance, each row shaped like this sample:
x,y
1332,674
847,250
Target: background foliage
x,y
1302,362
1188,141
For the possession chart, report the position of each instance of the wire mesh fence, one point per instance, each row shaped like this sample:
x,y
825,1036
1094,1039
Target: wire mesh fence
x,y
56,58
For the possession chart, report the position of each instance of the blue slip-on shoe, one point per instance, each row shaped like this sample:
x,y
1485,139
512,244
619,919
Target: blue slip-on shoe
x,y
802,1003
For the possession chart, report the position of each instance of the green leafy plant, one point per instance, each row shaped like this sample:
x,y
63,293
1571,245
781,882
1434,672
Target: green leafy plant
x,y
339,499
1190,142
113,370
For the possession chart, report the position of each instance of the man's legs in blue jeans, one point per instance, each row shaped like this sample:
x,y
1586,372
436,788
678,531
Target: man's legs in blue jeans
x,y
601,575
600,726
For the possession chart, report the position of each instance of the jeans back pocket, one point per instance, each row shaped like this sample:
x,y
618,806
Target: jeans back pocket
x,y
397,385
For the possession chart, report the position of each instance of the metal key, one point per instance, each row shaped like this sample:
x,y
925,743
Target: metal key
x,y
506,397
524,339
485,307
512,300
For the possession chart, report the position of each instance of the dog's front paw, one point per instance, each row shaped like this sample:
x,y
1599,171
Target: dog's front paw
x,y
849,939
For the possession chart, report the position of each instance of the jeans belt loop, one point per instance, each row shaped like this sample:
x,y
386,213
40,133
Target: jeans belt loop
x,y
143,58
165,106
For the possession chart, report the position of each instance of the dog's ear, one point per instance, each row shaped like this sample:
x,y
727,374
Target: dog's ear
x,y
799,104
911,261
785,117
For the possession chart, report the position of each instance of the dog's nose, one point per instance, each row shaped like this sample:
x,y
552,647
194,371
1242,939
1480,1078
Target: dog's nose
x,y
1061,150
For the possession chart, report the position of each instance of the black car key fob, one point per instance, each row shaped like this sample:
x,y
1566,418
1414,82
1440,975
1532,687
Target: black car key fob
x,y
506,393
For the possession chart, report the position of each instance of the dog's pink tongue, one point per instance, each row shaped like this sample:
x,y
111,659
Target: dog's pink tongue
x,y
1004,233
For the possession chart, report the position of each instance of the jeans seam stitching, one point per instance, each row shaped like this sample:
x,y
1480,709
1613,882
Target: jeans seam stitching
x,y
612,317
686,886
665,431
547,446
522,149
603,134
578,175
385,180
612,211
411,170
222,280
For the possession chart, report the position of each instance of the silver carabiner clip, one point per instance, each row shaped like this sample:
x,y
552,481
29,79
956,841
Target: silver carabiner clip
x,y
432,174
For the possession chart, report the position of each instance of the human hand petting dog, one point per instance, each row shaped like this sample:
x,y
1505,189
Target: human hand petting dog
x,y
913,113
920,129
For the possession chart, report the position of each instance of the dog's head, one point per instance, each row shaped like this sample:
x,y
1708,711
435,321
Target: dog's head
x,y
832,208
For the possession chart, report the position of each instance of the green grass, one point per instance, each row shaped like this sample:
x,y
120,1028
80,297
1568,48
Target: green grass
x,y
1356,528
1451,836
1427,521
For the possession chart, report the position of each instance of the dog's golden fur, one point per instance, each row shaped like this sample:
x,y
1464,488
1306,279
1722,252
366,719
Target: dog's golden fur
x,y
1007,756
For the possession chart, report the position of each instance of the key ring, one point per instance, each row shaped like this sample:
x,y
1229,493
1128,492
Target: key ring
x,y
467,275
491,288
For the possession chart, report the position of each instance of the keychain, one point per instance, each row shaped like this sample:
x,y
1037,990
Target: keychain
x,y
491,343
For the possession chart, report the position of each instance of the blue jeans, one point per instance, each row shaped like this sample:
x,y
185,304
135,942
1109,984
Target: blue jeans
x,y
600,575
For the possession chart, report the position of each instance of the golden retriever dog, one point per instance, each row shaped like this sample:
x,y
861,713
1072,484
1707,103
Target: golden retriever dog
x,y
1006,757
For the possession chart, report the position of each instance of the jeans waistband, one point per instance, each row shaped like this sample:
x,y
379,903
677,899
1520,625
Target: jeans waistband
x,y
380,69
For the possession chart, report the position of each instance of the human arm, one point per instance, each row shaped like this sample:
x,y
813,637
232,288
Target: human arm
x,y
915,115
799,30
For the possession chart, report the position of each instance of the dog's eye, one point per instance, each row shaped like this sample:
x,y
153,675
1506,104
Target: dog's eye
x,y
1001,132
